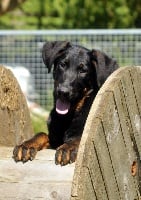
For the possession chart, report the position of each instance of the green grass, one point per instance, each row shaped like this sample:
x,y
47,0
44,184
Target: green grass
x,y
39,123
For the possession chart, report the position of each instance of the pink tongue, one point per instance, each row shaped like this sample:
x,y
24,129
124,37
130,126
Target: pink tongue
x,y
62,107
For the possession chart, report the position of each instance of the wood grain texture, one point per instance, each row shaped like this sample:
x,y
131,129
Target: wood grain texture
x,y
111,140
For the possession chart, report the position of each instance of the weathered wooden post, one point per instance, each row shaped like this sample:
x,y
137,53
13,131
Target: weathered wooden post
x,y
15,123
109,157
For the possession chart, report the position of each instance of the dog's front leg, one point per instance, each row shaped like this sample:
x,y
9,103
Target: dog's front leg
x,y
28,149
67,152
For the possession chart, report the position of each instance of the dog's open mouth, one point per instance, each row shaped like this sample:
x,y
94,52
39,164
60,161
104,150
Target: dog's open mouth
x,y
62,107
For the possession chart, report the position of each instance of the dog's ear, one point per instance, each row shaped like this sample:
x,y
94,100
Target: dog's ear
x,y
103,64
53,50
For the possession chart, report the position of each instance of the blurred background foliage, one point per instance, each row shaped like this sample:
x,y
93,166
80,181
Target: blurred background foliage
x,y
70,14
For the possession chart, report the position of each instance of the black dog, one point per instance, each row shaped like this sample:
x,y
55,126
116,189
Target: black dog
x,y
78,74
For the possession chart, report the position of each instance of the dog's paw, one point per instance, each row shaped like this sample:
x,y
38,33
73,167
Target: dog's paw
x,y
66,153
24,153
28,149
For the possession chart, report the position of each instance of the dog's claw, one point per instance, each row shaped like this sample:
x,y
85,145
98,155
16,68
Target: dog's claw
x,y
66,154
28,149
23,154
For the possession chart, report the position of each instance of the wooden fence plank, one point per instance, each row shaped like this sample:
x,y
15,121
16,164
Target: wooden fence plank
x,y
85,189
112,127
105,163
126,132
133,112
97,174
135,74
118,151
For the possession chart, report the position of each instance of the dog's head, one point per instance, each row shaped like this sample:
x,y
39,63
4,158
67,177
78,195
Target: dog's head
x,y
76,71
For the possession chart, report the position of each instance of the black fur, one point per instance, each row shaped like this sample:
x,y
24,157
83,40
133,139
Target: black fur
x,y
78,74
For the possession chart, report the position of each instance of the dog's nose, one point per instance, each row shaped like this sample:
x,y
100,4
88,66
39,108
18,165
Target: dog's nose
x,y
63,92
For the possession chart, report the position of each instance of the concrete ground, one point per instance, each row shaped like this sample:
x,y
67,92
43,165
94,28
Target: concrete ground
x,y
39,179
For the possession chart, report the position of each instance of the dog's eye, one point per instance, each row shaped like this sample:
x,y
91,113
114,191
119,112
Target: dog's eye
x,y
62,65
82,69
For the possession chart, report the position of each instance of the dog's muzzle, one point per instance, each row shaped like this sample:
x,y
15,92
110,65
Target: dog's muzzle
x,y
63,93
63,100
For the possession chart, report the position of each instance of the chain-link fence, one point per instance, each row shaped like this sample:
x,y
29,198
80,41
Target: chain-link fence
x,y
23,48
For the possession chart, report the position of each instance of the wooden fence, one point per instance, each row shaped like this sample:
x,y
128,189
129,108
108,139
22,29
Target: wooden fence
x,y
108,164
